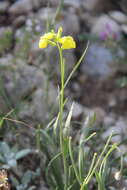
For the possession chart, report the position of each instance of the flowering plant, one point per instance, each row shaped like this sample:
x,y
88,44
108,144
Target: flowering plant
x,y
72,174
54,39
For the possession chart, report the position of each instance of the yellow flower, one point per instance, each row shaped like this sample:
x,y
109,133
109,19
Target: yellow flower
x,y
43,43
44,40
48,36
67,42
52,38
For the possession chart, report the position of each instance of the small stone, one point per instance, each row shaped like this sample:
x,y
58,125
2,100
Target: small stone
x,y
118,175
112,102
24,6
98,112
76,4
43,13
96,6
124,28
118,17
109,120
100,59
4,6
119,129
69,18
19,21
20,7
104,25
77,110
6,61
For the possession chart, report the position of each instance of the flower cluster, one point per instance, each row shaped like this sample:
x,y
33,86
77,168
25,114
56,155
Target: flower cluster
x,y
52,38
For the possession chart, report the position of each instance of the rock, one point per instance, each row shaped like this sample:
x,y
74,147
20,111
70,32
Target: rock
x,y
87,19
37,110
112,102
76,4
6,61
21,7
24,6
124,28
69,19
5,67
118,16
4,6
96,6
77,109
119,129
105,26
98,112
35,54
26,88
40,110
27,78
44,13
19,21
65,19
98,62
109,120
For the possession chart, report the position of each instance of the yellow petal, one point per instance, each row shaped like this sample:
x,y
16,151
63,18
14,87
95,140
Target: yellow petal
x,y
67,42
43,43
48,36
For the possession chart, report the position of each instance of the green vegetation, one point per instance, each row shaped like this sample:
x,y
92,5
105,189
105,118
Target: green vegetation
x,y
6,39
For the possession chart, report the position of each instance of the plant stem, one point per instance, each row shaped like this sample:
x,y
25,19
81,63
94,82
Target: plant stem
x,y
62,71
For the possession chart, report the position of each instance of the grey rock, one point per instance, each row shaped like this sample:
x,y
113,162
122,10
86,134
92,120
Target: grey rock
x,y
24,6
77,109
4,6
19,21
119,128
26,88
109,120
25,80
44,13
118,17
124,28
105,25
95,111
90,4
96,6
38,109
69,19
76,4
98,62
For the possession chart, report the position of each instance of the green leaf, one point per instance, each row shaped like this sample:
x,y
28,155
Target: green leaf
x,y
22,153
1,122
32,188
12,163
66,129
4,148
27,177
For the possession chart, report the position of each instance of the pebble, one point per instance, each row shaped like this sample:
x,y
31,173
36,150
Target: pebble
x,y
118,16
4,6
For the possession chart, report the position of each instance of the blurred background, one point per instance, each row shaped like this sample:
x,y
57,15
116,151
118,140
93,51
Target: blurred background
x,y
29,76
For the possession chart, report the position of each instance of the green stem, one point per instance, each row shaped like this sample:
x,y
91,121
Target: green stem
x,y
62,71
73,163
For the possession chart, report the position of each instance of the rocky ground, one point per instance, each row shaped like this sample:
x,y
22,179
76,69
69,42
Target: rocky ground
x,y
29,76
